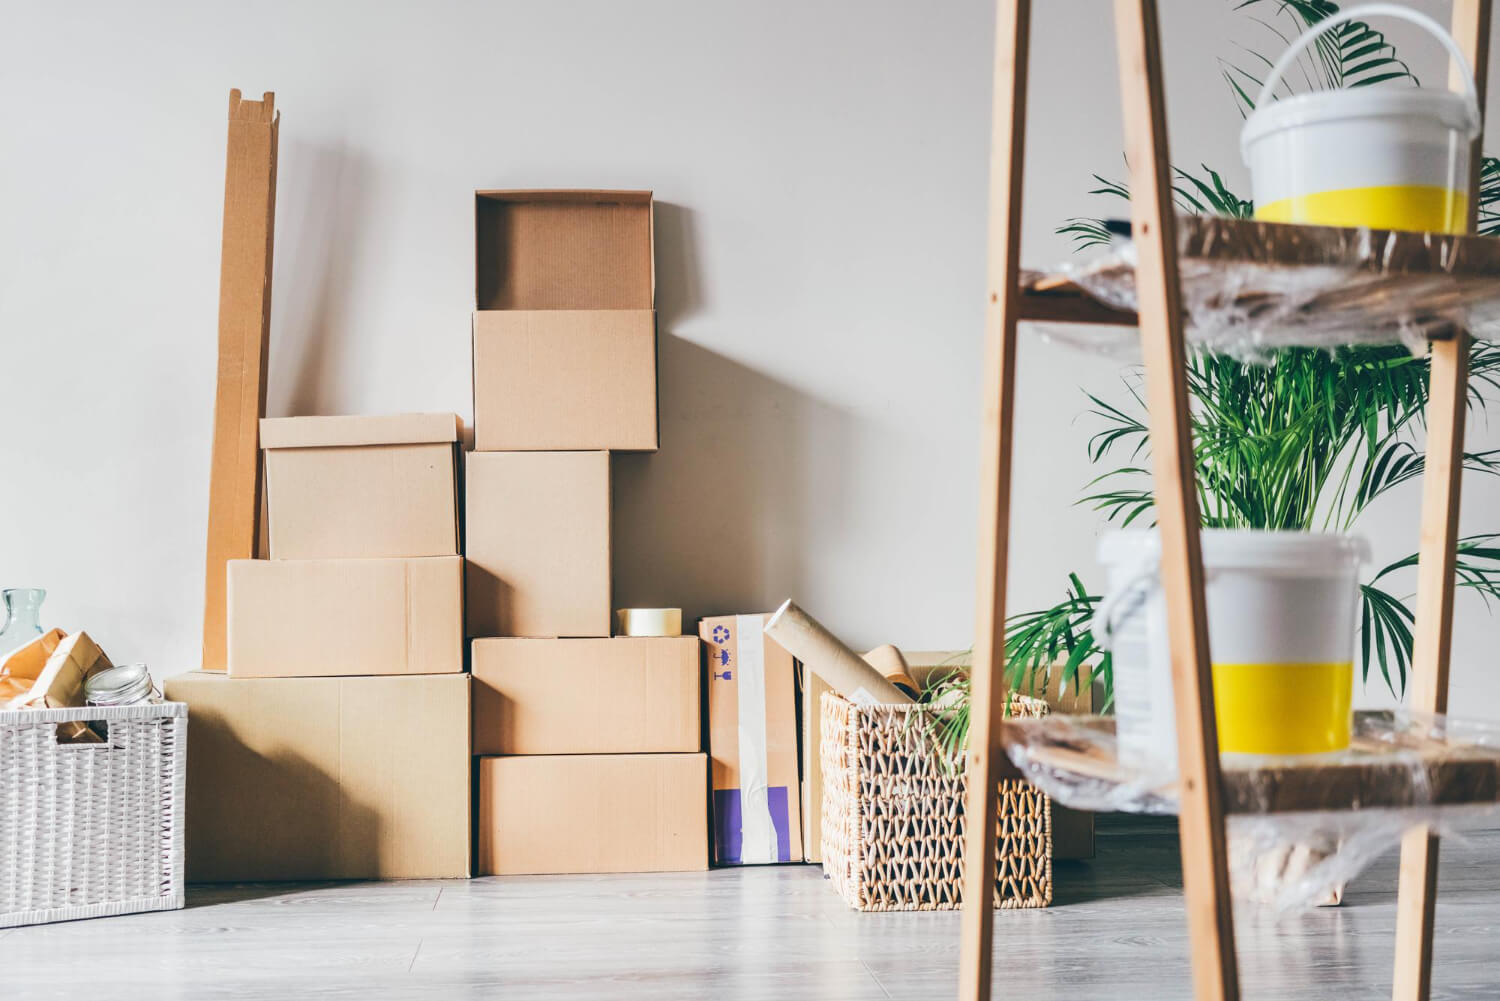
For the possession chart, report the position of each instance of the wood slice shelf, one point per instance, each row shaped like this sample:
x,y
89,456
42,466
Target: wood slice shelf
x,y
1398,769
1378,285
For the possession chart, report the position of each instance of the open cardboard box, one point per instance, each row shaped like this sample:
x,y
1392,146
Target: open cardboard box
x,y
564,321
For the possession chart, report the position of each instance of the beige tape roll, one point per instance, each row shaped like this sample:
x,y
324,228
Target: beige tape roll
x,y
649,621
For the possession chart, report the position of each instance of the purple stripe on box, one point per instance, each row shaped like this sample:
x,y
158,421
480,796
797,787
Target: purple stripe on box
x,y
729,824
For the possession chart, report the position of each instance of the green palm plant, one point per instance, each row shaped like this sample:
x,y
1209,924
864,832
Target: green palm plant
x,y
1307,440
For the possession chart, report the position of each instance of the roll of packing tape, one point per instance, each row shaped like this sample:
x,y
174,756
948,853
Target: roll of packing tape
x,y
649,621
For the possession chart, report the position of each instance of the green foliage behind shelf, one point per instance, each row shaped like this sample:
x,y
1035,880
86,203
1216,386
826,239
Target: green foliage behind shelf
x,y
1307,440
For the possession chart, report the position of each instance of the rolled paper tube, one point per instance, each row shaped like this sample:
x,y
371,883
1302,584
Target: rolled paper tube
x,y
650,621
801,636
892,666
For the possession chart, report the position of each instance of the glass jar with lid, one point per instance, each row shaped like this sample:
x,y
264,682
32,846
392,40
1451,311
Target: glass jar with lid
x,y
122,685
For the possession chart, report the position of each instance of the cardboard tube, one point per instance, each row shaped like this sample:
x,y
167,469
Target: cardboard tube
x,y
892,666
801,636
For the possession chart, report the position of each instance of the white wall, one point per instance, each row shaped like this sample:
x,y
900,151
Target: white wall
x,y
820,174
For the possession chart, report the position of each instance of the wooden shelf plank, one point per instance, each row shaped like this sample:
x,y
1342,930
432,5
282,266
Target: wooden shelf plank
x,y
1417,771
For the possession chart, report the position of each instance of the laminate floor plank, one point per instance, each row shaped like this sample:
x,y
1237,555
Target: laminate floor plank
x,y
776,933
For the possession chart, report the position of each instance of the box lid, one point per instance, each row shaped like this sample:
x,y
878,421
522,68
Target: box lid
x,y
386,429
563,250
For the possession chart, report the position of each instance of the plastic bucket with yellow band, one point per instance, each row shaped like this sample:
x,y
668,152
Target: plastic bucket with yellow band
x,y
1386,157
1282,612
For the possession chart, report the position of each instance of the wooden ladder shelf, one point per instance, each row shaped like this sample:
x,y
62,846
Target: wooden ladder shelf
x,y
1201,790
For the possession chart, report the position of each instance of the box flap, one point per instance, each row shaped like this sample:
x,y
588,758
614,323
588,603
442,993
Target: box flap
x,y
563,250
386,429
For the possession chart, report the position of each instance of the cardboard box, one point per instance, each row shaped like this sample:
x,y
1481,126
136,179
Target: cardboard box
x,y
593,813
1072,830
320,618
537,541
565,322
565,379
326,778
586,696
752,739
362,487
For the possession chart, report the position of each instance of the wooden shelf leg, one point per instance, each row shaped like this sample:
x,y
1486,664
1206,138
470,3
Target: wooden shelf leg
x,y
1205,871
1433,634
1007,155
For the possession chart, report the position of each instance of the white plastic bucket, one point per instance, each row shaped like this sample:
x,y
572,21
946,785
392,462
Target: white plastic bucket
x,y
1282,610
1382,157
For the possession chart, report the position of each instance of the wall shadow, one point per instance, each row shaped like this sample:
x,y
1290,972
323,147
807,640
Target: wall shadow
x,y
715,522
282,818
320,212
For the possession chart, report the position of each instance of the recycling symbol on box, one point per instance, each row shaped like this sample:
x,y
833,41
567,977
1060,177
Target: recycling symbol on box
x,y
721,634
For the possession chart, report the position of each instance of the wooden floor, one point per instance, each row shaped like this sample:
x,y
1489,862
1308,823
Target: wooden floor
x,y
1116,932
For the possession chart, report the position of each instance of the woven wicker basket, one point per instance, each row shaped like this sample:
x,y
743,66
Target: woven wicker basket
x,y
89,830
893,821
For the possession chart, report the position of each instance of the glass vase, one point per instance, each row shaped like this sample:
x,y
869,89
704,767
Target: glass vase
x,y
22,623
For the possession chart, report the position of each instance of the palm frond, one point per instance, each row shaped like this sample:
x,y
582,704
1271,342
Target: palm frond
x,y
1350,55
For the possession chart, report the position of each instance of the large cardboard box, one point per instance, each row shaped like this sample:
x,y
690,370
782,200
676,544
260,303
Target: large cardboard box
x,y
317,618
629,694
565,321
326,778
537,542
345,487
752,738
593,813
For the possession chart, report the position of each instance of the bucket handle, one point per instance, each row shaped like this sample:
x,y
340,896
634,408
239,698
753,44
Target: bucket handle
x,y
1471,95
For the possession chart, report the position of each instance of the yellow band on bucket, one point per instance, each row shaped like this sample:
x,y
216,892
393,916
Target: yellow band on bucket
x,y
1394,206
1283,708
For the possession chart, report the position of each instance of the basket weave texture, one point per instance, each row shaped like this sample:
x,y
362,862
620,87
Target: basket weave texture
x,y
89,830
893,816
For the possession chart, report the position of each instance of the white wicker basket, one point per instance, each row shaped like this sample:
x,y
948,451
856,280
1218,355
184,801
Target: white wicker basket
x,y
90,830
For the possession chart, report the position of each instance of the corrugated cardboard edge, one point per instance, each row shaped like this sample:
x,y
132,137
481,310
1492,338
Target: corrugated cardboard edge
x,y
234,488
344,431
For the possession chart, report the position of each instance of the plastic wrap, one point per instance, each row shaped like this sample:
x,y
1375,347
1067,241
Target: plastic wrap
x,y
1251,287
1298,827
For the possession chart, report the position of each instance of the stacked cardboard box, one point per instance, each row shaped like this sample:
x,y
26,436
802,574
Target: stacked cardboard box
x,y
589,745
337,746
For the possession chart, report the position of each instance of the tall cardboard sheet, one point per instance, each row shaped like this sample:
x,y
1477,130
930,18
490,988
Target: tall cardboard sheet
x,y
752,719
244,328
